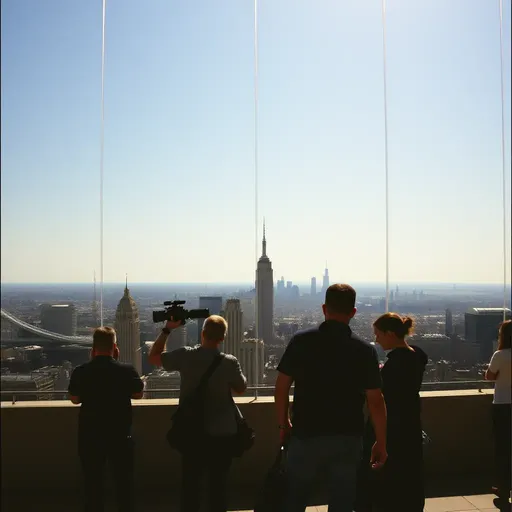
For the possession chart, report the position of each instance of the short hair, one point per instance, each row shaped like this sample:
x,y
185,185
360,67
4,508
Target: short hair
x,y
505,335
104,339
391,322
215,328
340,299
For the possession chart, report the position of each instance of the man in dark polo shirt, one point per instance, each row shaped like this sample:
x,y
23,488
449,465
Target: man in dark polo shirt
x,y
333,371
105,388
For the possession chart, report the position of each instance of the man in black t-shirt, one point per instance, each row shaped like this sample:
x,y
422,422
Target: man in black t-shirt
x,y
105,388
334,372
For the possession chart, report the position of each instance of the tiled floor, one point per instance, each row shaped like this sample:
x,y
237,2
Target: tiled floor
x,y
482,503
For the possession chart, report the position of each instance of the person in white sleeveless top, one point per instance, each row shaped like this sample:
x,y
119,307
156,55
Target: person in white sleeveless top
x,y
499,370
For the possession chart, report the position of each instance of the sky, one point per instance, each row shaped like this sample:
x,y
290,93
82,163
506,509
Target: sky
x,y
179,158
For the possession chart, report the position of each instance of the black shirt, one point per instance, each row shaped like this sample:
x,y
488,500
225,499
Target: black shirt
x,y
332,368
105,387
402,376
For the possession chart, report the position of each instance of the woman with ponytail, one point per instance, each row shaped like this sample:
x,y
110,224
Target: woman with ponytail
x,y
398,486
499,371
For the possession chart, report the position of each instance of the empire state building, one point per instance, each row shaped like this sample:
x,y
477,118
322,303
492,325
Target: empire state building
x,y
265,296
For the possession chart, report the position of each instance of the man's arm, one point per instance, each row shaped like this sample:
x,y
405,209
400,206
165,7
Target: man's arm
x,y
155,354
282,399
136,385
378,415
74,391
238,382
287,369
372,384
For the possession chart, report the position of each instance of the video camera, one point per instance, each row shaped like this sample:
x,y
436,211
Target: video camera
x,y
175,310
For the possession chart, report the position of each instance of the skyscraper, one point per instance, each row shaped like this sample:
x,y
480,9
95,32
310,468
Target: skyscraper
x,y
59,318
234,317
313,286
252,361
127,327
264,296
325,283
280,286
481,326
214,305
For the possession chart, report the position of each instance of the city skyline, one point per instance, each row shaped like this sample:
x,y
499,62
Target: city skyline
x,y
184,123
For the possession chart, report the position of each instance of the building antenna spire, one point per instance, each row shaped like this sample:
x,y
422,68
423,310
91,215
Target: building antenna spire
x,y
126,285
264,243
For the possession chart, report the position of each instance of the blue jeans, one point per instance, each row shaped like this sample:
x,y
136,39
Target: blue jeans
x,y
340,455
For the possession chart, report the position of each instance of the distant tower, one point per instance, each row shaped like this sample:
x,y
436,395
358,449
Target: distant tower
x,y
234,317
127,327
448,330
252,361
280,286
325,283
313,286
264,296
95,311
59,318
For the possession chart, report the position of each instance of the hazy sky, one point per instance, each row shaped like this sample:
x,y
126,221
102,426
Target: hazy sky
x,y
179,139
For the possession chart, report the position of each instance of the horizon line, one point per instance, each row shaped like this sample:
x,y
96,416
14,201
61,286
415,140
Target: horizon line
x,y
248,283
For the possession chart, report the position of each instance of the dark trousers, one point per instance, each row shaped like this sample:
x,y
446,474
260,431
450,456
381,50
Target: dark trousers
x,y
339,455
212,462
399,485
94,454
502,426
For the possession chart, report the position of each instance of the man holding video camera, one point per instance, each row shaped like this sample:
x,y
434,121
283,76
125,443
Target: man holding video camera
x,y
215,458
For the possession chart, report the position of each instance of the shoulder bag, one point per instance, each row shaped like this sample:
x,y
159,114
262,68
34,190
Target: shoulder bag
x,y
187,430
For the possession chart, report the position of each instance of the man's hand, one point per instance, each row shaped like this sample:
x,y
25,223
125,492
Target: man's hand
x,y
284,432
172,324
379,456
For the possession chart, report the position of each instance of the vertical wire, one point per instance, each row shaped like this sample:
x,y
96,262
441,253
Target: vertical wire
x,y
102,151
503,164
384,60
256,199
256,179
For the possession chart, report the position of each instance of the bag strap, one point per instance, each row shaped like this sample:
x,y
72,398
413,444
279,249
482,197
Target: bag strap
x,y
208,373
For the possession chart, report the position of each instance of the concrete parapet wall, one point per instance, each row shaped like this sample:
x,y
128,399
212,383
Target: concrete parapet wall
x,y
39,442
